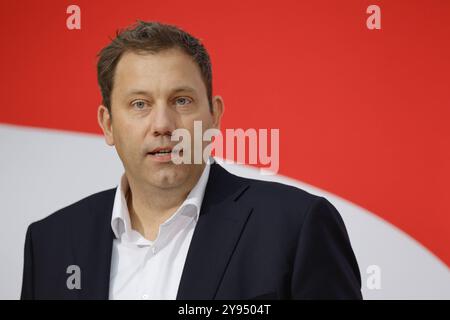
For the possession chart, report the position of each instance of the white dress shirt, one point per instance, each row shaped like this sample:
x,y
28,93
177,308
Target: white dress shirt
x,y
143,269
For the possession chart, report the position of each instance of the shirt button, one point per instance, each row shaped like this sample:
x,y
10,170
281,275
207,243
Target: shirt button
x,y
145,297
153,250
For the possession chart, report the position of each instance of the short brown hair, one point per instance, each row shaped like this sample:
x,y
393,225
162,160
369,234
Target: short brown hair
x,y
151,37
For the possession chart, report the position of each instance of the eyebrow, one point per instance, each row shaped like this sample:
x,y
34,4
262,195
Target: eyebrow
x,y
183,88
175,90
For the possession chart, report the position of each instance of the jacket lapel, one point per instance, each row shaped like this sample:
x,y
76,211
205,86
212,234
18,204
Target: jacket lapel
x,y
93,247
221,222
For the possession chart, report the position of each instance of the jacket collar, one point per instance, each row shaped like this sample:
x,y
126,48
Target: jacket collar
x,y
220,225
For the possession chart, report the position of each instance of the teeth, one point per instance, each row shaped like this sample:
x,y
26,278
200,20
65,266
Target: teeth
x,y
165,152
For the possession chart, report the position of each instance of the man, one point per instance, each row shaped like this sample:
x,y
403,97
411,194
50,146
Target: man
x,y
181,231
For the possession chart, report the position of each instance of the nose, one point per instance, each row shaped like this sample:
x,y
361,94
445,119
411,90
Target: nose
x,y
163,121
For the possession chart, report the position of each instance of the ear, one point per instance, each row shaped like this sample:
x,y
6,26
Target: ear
x,y
105,122
217,111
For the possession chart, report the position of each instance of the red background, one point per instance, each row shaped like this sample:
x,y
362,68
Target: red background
x,y
362,113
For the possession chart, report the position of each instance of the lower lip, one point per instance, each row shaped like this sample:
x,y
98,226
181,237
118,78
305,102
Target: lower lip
x,y
162,158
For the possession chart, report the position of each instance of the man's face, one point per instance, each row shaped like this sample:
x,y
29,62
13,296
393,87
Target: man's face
x,y
154,94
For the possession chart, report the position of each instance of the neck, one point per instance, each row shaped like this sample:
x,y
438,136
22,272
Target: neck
x,y
150,206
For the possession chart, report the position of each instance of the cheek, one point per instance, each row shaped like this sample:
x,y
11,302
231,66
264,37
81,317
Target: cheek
x,y
127,140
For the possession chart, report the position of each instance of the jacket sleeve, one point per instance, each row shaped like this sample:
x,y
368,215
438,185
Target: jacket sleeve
x,y
325,266
27,279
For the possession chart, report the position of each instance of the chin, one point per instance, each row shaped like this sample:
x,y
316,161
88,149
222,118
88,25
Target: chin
x,y
170,177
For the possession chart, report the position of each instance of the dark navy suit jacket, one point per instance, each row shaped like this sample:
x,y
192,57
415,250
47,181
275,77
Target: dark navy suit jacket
x,y
253,240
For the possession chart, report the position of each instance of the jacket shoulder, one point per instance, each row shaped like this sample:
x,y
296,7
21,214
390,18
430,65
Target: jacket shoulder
x,y
267,192
274,201
273,189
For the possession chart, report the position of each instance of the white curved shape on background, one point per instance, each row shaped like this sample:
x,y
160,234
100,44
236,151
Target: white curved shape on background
x,y
45,170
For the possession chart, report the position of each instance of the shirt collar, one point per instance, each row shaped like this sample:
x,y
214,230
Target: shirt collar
x,y
120,220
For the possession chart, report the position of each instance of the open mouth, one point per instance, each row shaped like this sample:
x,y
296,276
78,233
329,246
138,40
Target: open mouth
x,y
165,153
161,152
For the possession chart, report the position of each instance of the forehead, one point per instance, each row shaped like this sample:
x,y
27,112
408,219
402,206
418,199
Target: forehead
x,y
157,71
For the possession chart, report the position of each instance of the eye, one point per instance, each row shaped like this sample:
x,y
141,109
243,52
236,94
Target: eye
x,y
139,104
182,101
